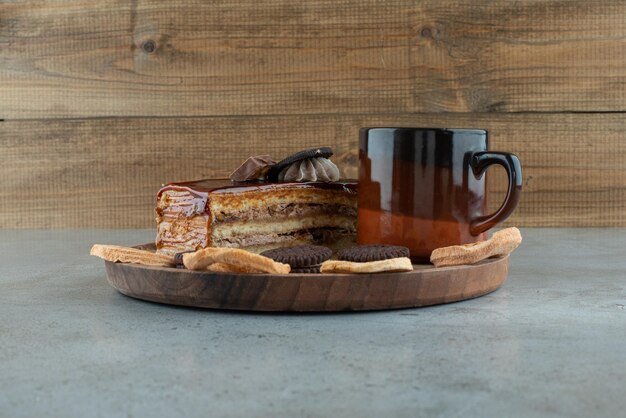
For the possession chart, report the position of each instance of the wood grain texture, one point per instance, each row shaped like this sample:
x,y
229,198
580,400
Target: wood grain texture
x,y
424,286
104,173
84,58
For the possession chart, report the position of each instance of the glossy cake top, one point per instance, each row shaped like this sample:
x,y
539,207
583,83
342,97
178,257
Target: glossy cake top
x,y
219,186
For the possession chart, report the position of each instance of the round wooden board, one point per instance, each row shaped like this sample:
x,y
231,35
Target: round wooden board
x,y
425,285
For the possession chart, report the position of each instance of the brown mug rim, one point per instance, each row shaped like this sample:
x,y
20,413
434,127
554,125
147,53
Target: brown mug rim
x,y
453,130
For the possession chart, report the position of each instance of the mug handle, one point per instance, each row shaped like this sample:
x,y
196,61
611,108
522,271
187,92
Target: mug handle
x,y
479,162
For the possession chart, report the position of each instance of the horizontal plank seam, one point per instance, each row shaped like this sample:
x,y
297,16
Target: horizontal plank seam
x,y
300,115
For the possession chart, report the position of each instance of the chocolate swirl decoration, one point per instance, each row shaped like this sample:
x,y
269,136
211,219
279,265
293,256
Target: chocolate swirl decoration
x,y
311,169
308,165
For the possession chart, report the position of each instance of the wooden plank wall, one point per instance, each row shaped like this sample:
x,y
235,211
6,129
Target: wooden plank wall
x,y
102,102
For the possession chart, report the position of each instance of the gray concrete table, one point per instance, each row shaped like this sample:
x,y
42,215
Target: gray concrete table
x,y
550,342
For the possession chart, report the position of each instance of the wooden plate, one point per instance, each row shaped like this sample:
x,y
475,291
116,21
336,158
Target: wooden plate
x,y
425,285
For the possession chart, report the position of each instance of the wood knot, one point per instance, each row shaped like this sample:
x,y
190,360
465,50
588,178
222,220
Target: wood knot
x,y
427,32
149,46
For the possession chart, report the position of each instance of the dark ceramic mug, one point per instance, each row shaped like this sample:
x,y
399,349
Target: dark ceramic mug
x,y
425,188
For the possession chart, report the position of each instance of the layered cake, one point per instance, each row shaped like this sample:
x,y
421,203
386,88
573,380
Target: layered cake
x,y
269,205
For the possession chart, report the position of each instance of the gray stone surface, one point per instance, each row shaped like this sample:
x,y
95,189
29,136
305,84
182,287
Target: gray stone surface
x,y
551,342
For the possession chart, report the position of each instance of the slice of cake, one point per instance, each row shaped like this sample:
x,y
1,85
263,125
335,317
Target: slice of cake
x,y
255,216
264,205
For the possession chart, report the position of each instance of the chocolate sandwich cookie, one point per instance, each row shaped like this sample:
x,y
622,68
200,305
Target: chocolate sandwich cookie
x,y
274,171
372,252
178,259
301,258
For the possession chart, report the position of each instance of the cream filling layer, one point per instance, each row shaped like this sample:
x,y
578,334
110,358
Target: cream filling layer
x,y
321,235
280,226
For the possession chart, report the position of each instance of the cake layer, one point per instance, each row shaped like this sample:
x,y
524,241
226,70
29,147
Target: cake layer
x,y
180,234
284,210
279,226
267,201
225,197
325,236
